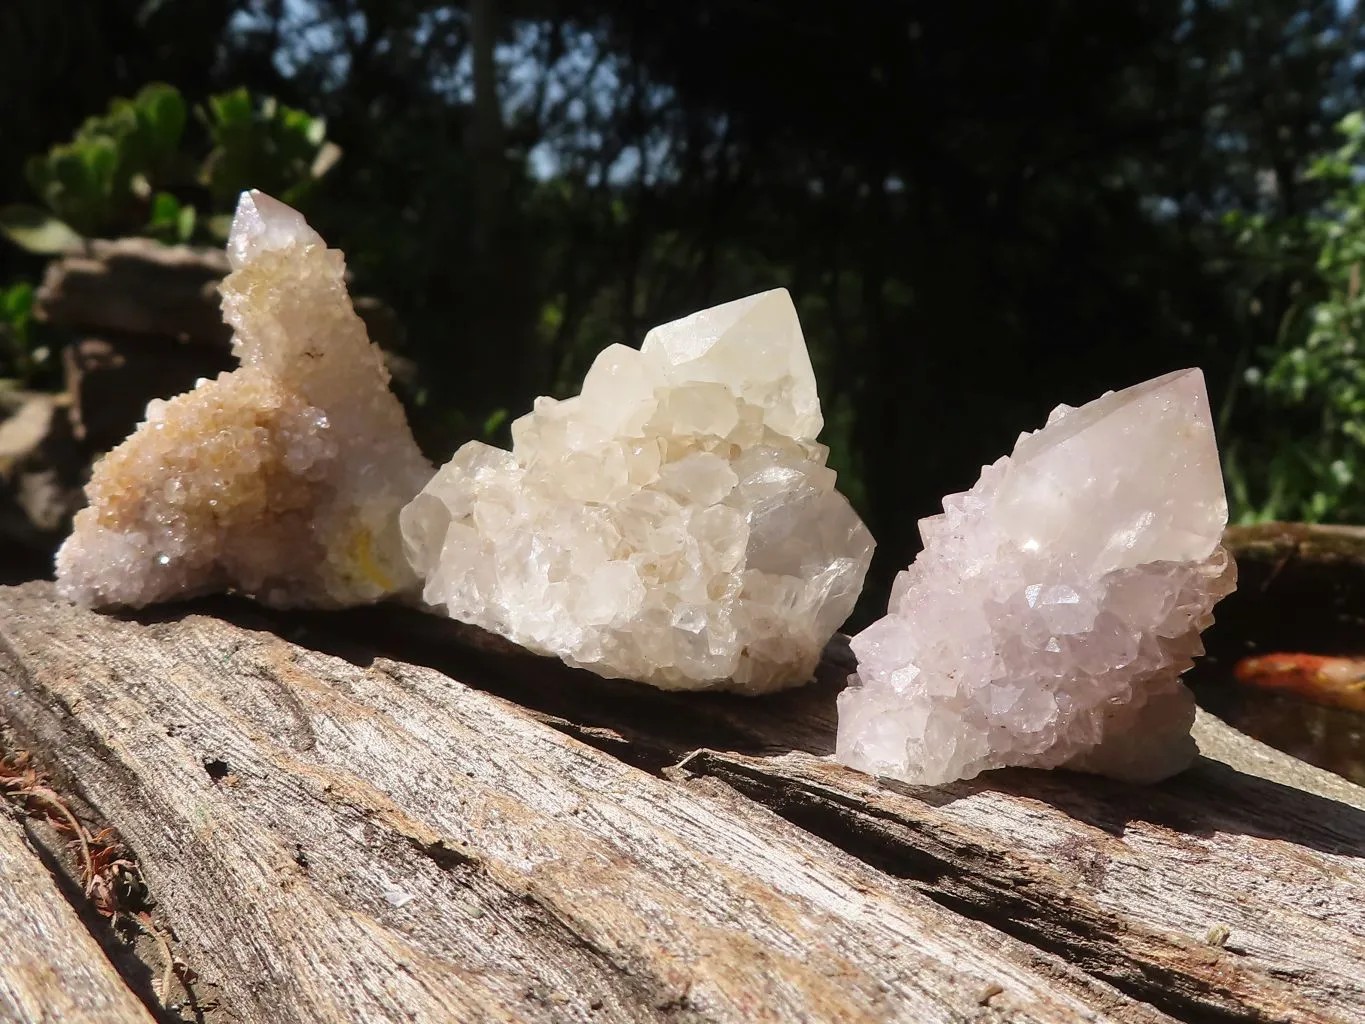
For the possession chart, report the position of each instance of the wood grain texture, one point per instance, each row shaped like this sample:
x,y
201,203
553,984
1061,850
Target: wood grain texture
x,y
1301,587
1129,881
338,835
51,970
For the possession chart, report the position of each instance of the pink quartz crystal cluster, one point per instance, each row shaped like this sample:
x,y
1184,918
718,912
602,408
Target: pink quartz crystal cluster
x,y
1055,604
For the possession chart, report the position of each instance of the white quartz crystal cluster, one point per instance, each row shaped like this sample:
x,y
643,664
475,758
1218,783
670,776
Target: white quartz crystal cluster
x,y
1055,604
675,523
282,479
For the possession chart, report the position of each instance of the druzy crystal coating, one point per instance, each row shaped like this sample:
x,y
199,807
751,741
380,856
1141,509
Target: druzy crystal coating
x,y
675,523
1054,606
281,479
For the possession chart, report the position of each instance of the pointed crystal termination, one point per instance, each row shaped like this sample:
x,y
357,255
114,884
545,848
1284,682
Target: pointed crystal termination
x,y
675,523
282,479
1055,604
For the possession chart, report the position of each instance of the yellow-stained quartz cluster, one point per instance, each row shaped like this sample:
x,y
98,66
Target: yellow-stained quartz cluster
x,y
674,524
282,479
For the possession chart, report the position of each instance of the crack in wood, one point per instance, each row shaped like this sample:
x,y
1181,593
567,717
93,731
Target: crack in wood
x,y
136,963
1021,898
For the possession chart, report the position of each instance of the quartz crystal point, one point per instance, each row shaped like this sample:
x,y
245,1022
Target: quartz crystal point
x,y
675,523
282,479
1055,604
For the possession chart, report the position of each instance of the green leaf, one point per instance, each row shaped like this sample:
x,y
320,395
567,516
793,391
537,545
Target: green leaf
x,y
551,317
16,302
184,229
101,159
37,230
231,109
69,175
495,419
165,211
161,109
316,130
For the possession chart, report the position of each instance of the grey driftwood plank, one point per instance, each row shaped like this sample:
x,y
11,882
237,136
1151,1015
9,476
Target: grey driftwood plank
x,y
372,840
51,970
1225,900
336,842
1136,884
1130,881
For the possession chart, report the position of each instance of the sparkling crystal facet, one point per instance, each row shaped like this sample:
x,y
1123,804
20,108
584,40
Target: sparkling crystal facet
x,y
282,479
1055,604
674,523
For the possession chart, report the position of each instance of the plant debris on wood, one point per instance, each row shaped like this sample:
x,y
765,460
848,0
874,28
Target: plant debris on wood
x,y
108,874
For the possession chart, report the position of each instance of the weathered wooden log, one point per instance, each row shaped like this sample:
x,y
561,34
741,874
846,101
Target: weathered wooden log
x,y
384,816
50,968
1301,586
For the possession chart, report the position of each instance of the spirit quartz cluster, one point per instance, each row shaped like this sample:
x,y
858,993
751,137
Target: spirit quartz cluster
x,y
1055,604
675,523
281,479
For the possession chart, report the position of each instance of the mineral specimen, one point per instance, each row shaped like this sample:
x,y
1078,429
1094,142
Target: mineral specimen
x,y
282,479
675,523
1055,604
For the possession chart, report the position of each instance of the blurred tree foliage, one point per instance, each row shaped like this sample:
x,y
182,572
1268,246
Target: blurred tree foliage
x,y
1304,457
982,209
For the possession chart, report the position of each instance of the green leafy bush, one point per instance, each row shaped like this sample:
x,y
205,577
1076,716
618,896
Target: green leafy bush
x,y
263,145
143,168
1299,447
89,181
